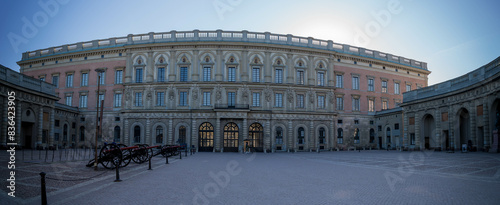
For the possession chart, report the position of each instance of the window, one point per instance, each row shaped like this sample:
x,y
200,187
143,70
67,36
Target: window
x,y
300,77
356,122
231,98
184,74
356,136
396,126
321,101
256,99
278,100
355,104
69,80
301,135
42,79
371,83
412,138
385,105
118,100
160,99
372,135
117,134
256,75
408,88
207,73
278,76
379,127
388,135
396,88
279,136
355,83
321,78
85,79
69,99
231,74
138,75
339,122
159,134
56,136
322,136
300,101
102,78
444,116
340,81
161,75
183,99
83,101
56,123
55,81
206,98
479,110
137,134
384,86
340,136
138,99
412,120
371,105
182,135
118,76
82,133
340,103
101,98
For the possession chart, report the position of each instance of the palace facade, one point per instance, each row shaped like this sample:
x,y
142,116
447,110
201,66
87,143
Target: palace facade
x,y
215,89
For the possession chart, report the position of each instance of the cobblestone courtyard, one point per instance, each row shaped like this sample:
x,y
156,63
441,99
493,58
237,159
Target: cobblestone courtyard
x,y
366,177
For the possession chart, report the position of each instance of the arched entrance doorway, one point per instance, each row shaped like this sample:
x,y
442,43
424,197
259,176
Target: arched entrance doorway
x,y
206,137
427,132
28,134
256,136
464,128
231,133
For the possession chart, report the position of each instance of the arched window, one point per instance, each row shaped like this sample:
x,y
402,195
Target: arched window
x,y
65,133
137,134
388,134
82,133
256,135
231,132
206,137
340,136
279,136
159,134
372,135
356,136
182,135
322,136
117,134
301,135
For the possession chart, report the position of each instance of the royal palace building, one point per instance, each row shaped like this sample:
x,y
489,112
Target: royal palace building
x,y
216,90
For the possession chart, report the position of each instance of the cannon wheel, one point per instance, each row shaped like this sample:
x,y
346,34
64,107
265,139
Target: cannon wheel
x,y
110,156
140,154
126,156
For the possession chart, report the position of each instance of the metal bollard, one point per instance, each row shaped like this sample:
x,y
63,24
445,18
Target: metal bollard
x,y
150,163
44,192
166,157
186,152
117,174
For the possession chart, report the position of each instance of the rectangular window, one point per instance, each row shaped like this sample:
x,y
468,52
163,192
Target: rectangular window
x,y
85,80
371,83
321,78
300,77
278,100
138,75
479,110
396,88
231,74
444,116
411,121
371,105
118,100
355,104
256,75
183,99
83,101
355,83
55,81
231,98
256,99
396,126
69,80
161,75
207,73
206,98
278,76
340,81
42,79
184,74
138,99
384,86
160,99
408,88
340,103
300,101
118,77
101,98
321,101
103,78
412,138
69,100
385,105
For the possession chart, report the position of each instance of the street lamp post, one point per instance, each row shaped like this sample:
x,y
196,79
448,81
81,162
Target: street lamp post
x,y
99,71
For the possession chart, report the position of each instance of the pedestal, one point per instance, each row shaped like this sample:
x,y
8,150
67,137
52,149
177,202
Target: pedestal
x,y
495,145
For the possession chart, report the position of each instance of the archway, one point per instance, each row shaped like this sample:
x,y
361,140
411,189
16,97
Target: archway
x,y
28,131
231,133
427,133
464,128
278,136
256,136
206,137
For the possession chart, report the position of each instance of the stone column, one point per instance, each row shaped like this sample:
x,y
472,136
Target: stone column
x,y
245,129
194,134
148,138
4,130
218,66
40,126
267,136
310,71
290,68
417,131
331,139
129,67
52,124
244,66
312,138
486,122
172,66
150,67
437,132
472,124
18,122
331,72
267,68
126,129
170,139
291,139
217,140
451,133
406,140
195,75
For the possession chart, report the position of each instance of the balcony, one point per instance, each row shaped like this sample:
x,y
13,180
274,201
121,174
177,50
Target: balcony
x,y
234,106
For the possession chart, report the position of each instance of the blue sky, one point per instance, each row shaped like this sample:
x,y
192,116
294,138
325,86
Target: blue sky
x,y
453,37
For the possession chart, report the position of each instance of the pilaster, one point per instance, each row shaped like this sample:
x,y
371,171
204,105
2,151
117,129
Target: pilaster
x,y
195,76
150,67
267,67
40,127
218,66
290,68
244,66
172,66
